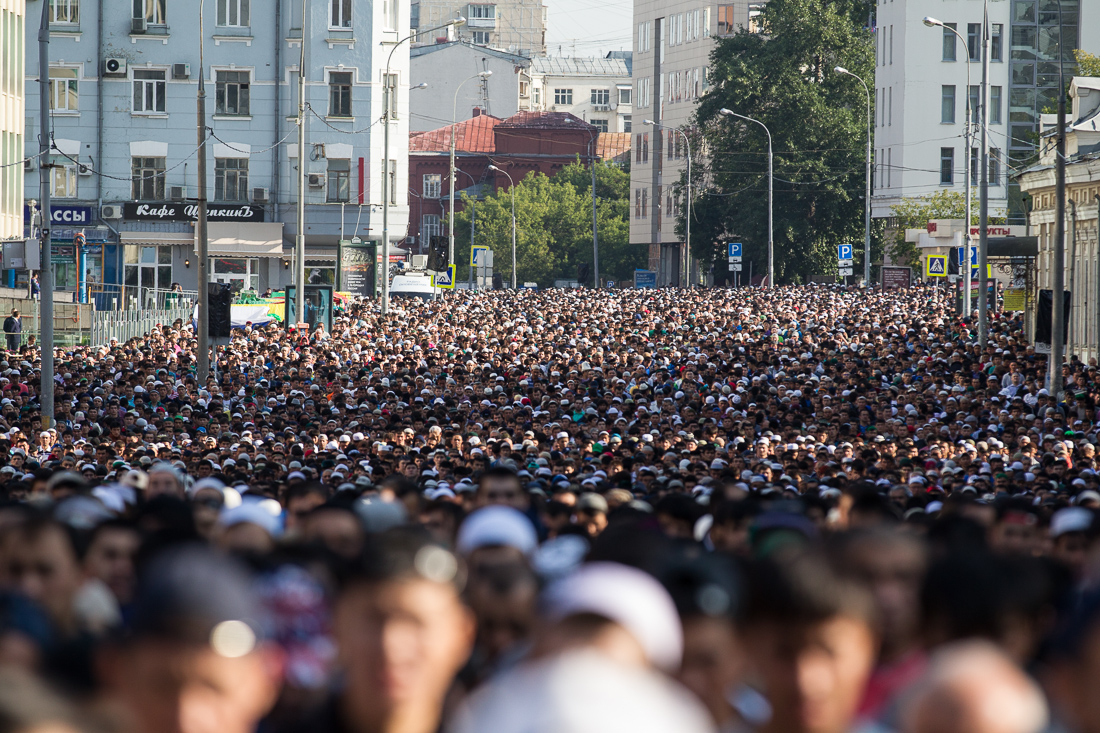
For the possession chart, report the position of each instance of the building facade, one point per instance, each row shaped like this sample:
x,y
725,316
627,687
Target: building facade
x,y
672,45
598,90
12,119
445,66
1082,251
123,98
517,26
920,102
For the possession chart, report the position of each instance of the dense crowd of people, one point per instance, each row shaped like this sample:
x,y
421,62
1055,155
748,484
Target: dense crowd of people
x,y
791,509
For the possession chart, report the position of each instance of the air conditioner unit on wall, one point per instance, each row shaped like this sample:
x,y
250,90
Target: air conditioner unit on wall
x,y
177,193
316,180
113,66
28,165
181,71
138,25
110,211
84,170
260,195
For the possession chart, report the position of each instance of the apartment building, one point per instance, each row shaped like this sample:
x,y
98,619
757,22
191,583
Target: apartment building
x,y
11,119
123,93
672,46
518,26
448,69
598,90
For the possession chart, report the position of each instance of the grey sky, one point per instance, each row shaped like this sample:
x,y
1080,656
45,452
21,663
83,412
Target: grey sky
x,y
588,27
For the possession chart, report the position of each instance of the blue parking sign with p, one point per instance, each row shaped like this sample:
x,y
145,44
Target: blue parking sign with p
x,y
844,251
735,249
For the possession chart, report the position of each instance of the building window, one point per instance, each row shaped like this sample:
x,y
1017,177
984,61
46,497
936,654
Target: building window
x,y
147,175
994,167
996,42
231,179
63,179
756,12
637,203
246,271
726,24
975,103
232,97
626,123
975,164
149,91
390,80
393,182
538,95
600,125
563,96
947,104
525,89
151,10
389,13
657,213
645,203
994,105
947,166
974,41
483,12
341,14
233,13
339,180
430,226
645,147
65,11
147,266
433,185
625,95
949,42
481,38
339,94
64,89
601,96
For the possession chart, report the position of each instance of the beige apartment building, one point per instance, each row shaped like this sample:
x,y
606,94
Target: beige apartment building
x,y
516,26
12,118
673,40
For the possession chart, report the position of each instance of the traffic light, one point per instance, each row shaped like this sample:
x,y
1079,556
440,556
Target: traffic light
x,y
437,253
219,299
583,273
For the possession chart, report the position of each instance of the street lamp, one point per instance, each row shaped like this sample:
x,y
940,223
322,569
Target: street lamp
x,y
771,238
387,91
687,201
454,121
867,196
513,187
933,23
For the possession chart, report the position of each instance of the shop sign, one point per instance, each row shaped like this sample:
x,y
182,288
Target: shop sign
x,y
179,211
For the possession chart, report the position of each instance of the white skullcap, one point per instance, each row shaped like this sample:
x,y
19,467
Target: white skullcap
x,y
494,526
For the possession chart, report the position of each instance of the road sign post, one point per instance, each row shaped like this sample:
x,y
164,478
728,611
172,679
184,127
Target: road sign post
x,y
445,279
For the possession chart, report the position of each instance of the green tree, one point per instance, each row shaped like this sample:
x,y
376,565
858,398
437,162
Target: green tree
x,y
784,77
554,226
1087,64
915,213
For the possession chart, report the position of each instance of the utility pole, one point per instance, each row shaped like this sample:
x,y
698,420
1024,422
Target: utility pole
x,y
983,192
300,239
202,240
45,249
1057,342
595,235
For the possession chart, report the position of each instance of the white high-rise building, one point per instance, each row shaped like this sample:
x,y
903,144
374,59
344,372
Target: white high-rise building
x,y
920,101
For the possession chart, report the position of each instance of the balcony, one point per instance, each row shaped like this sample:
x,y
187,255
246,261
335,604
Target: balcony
x,y
490,23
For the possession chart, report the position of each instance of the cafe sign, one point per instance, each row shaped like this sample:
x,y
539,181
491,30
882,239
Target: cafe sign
x,y
178,211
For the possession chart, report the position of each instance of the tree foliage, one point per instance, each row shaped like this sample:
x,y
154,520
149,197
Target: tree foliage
x,y
784,78
916,212
554,226
1087,64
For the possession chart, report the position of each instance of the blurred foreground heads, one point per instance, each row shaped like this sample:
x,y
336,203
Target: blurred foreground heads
x,y
609,632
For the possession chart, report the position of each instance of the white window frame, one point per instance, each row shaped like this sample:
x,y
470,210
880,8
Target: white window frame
x,y
240,175
162,82
340,14
155,12
248,91
227,9
480,38
432,184
390,11
483,12
351,93
600,96
64,12
625,90
67,93
563,96
65,171
431,225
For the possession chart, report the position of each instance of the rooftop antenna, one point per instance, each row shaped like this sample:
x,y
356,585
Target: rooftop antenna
x,y
484,85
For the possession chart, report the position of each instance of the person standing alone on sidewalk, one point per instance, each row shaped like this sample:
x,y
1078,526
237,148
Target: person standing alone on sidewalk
x,y
13,327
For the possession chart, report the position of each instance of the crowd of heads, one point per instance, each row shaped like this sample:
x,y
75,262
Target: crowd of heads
x,y
788,509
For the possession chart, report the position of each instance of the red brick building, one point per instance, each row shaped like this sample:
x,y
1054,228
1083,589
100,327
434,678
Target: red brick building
x,y
544,142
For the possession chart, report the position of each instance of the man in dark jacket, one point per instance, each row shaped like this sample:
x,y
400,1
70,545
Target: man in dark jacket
x,y
13,327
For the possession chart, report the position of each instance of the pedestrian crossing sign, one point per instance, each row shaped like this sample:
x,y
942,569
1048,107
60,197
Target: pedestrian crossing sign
x,y
445,279
935,266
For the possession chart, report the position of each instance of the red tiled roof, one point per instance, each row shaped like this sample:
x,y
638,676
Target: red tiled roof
x,y
611,145
545,120
474,135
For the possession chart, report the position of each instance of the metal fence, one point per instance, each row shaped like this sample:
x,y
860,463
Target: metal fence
x,y
127,324
109,297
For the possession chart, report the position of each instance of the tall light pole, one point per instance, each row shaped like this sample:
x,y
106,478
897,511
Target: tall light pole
x,y
300,238
968,142
454,123
513,189
1058,265
771,180
867,195
45,248
687,200
202,241
983,185
387,92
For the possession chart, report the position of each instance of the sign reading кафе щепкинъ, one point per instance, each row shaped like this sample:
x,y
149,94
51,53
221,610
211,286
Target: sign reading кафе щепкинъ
x,y
180,211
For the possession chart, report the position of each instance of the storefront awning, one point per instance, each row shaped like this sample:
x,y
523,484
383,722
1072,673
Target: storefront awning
x,y
246,239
